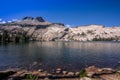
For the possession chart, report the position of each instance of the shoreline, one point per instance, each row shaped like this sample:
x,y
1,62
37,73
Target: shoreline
x,y
89,73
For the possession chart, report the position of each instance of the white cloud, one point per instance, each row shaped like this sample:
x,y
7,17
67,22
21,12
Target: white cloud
x,y
0,19
70,26
3,22
9,21
14,19
67,25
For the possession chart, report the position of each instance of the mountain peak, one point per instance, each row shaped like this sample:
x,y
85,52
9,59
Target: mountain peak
x,y
38,19
28,18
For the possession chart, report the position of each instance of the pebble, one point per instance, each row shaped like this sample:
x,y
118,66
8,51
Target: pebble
x,y
70,74
85,78
46,78
40,70
77,73
49,74
58,69
58,72
64,72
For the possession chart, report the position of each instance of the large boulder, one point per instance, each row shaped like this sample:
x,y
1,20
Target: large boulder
x,y
94,71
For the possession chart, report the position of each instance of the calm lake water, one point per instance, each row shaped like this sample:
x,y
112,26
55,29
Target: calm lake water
x,y
67,55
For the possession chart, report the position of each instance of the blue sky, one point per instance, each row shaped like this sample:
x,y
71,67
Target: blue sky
x,y
73,12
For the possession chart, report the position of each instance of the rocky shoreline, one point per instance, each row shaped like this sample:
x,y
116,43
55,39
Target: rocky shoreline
x,y
37,29
90,73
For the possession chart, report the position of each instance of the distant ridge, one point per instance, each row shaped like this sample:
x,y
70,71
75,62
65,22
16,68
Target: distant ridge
x,y
38,29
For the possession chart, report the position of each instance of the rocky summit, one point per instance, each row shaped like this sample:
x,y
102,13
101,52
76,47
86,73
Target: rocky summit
x,y
38,29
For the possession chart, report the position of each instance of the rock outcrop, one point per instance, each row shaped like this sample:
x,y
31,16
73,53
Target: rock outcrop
x,y
93,71
87,33
38,29
99,74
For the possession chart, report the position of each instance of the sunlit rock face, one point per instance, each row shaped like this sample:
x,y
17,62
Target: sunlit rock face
x,y
83,33
34,29
94,33
50,33
38,29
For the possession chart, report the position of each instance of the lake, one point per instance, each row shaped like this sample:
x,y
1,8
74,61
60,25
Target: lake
x,y
71,56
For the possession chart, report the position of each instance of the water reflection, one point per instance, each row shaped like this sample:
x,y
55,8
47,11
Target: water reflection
x,y
68,55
